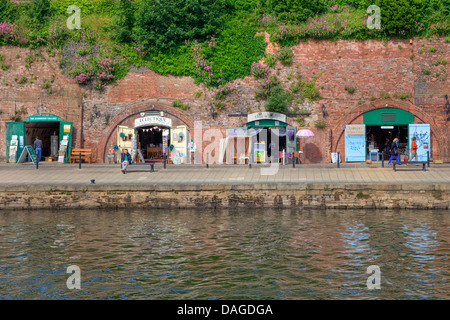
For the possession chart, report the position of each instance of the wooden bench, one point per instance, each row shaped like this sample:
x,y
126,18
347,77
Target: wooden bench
x,y
86,154
423,163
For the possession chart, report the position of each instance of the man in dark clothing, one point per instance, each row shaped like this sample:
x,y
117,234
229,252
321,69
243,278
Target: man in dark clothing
x,y
125,159
37,146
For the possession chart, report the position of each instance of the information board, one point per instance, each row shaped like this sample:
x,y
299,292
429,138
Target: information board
x,y
28,150
355,143
422,134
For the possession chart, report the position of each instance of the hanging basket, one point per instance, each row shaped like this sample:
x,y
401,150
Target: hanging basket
x,y
290,134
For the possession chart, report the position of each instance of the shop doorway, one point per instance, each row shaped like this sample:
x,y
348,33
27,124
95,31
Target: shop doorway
x,y
379,137
151,141
271,141
48,132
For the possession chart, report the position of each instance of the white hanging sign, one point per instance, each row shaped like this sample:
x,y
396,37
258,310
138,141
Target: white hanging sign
x,y
152,121
266,115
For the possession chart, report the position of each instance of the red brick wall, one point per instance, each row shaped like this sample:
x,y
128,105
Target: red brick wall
x,y
372,67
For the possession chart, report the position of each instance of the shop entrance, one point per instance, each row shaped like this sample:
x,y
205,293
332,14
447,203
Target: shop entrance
x,y
273,146
379,137
150,141
55,133
48,132
384,125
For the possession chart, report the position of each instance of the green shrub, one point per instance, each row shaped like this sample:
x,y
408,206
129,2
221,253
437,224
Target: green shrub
x,y
285,56
87,7
277,101
296,10
398,17
165,24
270,59
8,11
320,124
178,104
432,49
350,90
38,13
124,19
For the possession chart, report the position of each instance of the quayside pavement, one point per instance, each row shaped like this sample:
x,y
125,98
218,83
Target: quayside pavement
x,y
53,174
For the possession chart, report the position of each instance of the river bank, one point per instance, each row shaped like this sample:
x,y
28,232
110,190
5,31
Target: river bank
x,y
308,187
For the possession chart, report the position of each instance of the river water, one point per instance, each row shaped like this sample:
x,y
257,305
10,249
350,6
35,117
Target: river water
x,y
252,254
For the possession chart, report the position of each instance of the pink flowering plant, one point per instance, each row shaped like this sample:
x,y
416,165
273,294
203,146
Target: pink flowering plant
x,y
99,71
204,69
223,91
8,33
259,71
57,34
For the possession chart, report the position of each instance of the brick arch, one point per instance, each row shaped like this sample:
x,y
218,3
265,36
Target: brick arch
x,y
134,109
356,112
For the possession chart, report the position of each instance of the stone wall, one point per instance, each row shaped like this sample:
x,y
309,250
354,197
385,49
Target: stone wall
x,y
374,68
306,196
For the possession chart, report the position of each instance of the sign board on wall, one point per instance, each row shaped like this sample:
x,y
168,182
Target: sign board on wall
x,y
266,115
152,121
423,140
355,143
355,130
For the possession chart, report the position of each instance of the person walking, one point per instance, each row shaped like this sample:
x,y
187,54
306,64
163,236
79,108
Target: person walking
x,y
387,146
414,149
125,160
394,151
37,146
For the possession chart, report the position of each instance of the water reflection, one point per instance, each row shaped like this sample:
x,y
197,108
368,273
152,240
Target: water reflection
x,y
271,254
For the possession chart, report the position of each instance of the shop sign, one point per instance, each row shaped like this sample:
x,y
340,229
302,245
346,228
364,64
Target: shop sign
x,y
43,118
266,115
355,130
152,121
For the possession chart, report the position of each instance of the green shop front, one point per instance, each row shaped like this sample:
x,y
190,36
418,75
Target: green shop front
x,y
271,136
55,133
381,126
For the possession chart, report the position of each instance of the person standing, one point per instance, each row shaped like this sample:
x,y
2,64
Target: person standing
x,y
125,160
394,151
37,146
192,148
414,149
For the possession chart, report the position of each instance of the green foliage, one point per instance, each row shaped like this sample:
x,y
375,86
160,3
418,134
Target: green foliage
x,y
271,59
237,48
398,17
320,124
106,7
8,11
350,90
164,24
277,101
178,104
122,27
38,13
285,56
297,10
